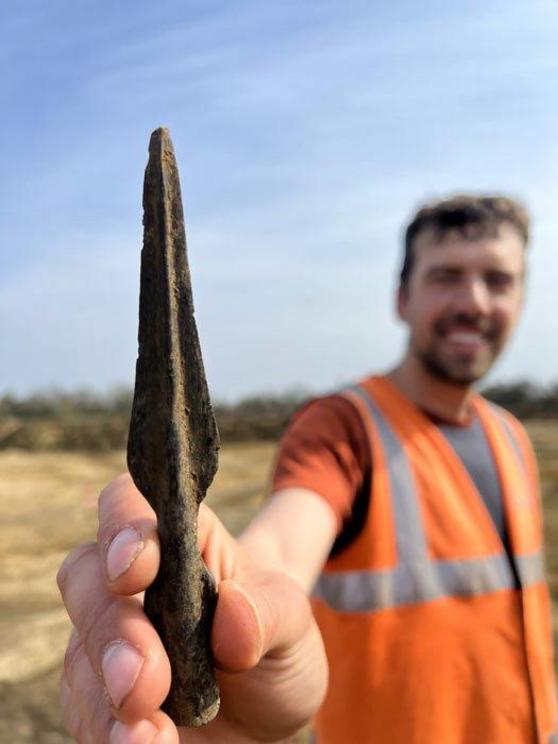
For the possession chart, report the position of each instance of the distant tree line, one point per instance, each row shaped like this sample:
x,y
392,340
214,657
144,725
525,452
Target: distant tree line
x,y
85,420
56,404
85,403
94,421
525,399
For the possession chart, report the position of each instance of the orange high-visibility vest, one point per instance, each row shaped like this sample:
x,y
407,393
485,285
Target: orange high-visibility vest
x,y
428,639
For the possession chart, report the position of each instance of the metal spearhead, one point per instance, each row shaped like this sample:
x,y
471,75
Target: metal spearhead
x,y
173,441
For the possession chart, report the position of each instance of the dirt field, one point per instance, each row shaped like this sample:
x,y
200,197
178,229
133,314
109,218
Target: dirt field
x,y
48,505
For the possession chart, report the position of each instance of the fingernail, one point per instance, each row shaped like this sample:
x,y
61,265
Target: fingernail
x,y
142,732
121,665
122,552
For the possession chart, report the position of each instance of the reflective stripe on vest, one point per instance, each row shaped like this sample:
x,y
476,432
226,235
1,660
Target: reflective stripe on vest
x,y
418,578
509,435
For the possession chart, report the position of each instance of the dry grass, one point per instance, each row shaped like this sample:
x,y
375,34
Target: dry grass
x,y
48,505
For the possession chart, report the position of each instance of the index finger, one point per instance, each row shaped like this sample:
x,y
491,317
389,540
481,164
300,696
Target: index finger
x,y
127,537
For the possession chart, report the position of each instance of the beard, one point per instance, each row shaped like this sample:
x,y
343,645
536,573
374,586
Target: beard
x,y
461,370
460,375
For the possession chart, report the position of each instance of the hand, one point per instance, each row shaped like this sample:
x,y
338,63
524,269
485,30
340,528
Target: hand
x,y
269,655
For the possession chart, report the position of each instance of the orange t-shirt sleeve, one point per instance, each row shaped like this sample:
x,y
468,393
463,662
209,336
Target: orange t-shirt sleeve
x,y
325,450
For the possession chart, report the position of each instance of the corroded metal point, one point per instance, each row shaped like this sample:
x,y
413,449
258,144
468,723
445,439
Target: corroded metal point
x,y
173,441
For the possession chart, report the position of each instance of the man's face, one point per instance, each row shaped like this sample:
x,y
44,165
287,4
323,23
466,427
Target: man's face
x,y
462,301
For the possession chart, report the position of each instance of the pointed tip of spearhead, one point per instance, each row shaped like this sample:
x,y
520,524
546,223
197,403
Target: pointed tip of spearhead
x,y
160,140
160,133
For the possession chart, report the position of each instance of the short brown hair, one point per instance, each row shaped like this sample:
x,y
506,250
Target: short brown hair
x,y
472,216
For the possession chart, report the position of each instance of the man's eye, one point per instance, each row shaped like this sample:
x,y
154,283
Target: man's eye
x,y
445,277
499,280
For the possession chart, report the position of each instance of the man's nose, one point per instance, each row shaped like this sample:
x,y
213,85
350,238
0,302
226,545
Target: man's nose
x,y
473,296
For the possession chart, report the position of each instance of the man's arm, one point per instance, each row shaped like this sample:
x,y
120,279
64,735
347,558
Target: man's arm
x,y
294,531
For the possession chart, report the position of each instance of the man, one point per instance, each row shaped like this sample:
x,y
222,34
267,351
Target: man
x,y
408,498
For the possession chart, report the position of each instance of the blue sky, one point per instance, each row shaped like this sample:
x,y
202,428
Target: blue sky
x,y
306,134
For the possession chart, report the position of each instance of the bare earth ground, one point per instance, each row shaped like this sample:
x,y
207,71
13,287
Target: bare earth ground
x,y
48,505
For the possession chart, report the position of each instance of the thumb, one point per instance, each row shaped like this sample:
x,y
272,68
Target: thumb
x,y
264,615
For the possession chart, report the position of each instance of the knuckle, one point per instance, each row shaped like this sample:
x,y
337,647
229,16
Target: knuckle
x,y
100,721
81,735
70,565
113,514
93,625
84,702
88,603
74,726
110,491
71,717
64,692
72,652
78,672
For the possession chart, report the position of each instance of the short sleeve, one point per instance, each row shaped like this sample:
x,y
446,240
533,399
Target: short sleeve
x,y
325,450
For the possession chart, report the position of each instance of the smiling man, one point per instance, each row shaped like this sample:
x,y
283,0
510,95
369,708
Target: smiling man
x,y
432,603
407,505
463,300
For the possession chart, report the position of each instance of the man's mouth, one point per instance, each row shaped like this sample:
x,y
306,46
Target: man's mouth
x,y
466,340
467,336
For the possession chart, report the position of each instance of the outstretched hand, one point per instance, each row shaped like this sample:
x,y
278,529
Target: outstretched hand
x,y
267,650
